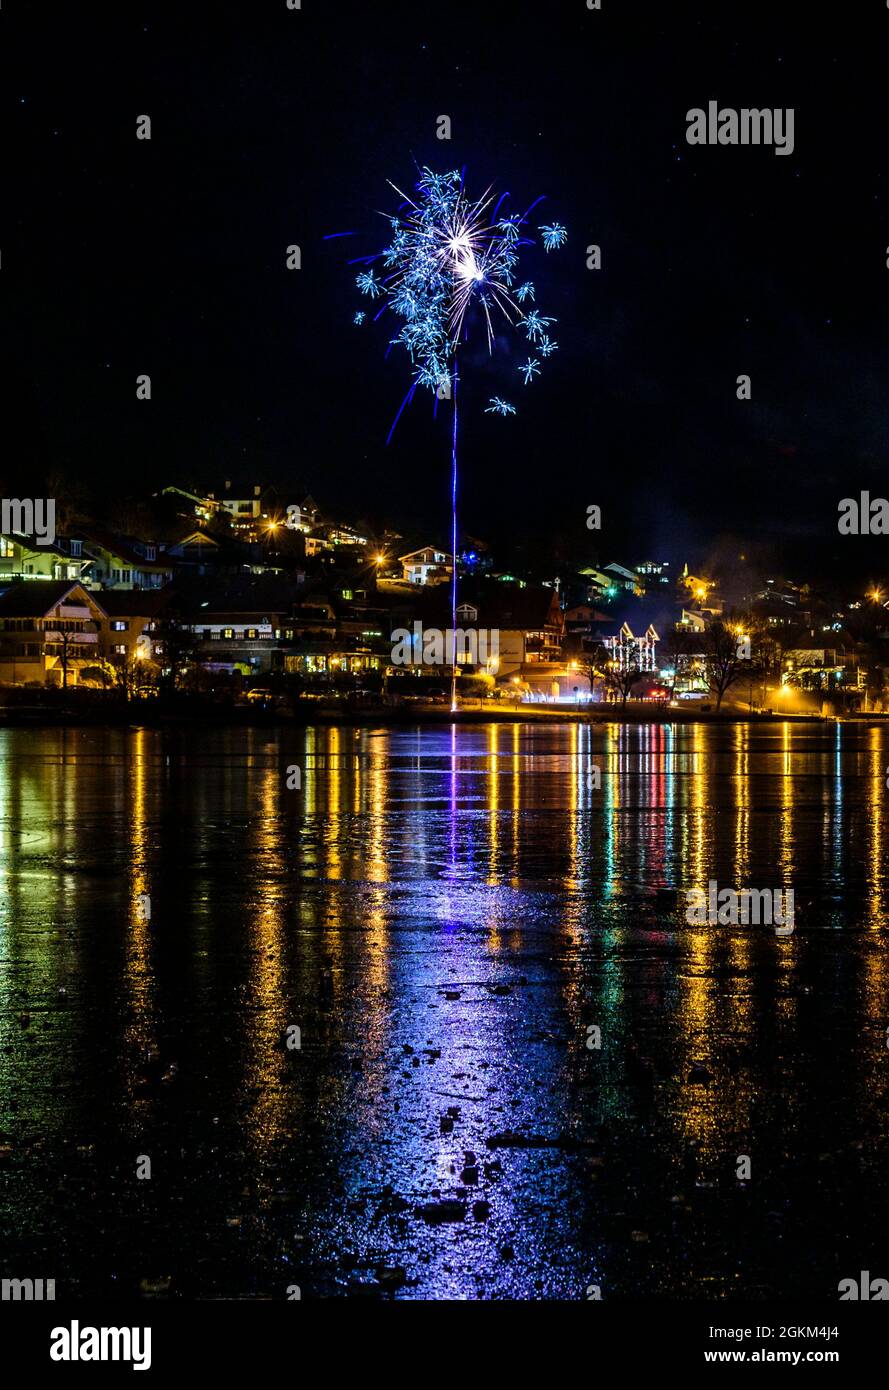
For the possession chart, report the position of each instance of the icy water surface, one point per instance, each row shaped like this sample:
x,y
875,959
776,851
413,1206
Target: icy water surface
x,y
444,915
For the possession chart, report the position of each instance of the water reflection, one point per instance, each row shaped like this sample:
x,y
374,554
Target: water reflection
x,y
444,914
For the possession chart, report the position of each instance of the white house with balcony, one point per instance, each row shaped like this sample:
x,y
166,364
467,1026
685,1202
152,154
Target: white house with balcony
x,y
427,566
49,631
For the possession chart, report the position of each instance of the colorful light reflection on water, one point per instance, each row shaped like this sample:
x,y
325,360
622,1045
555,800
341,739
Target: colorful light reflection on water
x,y
443,912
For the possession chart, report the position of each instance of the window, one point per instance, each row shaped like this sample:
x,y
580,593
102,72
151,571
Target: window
x,y
150,552
347,594
76,548
120,649
251,634
119,626
228,633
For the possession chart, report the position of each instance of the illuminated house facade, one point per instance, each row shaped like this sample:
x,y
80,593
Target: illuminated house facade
x,y
629,652
22,558
426,566
125,564
49,632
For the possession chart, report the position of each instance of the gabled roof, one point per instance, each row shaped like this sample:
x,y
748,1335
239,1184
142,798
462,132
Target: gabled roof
x,y
438,549
36,598
123,548
202,537
620,569
499,606
31,544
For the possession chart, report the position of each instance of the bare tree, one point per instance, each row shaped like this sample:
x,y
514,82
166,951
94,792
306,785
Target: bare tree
x,y
593,663
621,679
675,654
723,664
65,638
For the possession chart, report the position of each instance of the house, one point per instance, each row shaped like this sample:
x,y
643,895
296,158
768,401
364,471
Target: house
x,y
332,536
302,516
21,557
345,631
124,562
623,578
653,572
243,504
516,632
202,507
701,591
131,627
234,639
195,547
49,631
628,651
426,566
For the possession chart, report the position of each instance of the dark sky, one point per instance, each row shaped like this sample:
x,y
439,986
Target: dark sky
x,y
272,127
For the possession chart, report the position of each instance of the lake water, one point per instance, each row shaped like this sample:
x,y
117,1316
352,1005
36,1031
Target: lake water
x,y
444,915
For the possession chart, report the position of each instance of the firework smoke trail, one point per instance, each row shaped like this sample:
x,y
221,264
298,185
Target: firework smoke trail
x,y
454,554
448,254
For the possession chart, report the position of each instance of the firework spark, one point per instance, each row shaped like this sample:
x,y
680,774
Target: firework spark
x,y
554,236
450,256
450,263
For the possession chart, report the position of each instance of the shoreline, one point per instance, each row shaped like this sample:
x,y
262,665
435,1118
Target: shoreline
x,y
138,715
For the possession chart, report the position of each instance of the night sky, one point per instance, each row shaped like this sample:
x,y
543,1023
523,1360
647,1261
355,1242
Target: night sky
x,y
273,127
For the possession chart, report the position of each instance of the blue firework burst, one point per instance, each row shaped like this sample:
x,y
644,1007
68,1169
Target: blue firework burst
x,y
450,265
554,236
